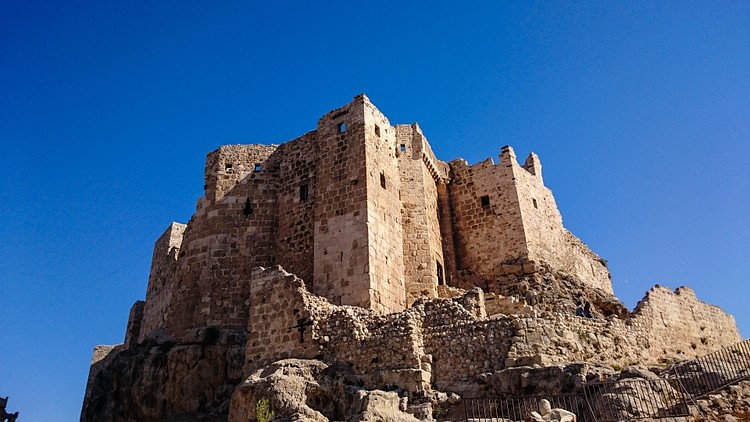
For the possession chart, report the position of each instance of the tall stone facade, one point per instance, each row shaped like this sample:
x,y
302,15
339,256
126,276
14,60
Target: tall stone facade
x,y
366,214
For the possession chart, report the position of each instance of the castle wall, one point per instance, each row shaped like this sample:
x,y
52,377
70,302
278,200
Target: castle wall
x,y
342,273
161,278
385,231
422,240
506,220
487,216
234,229
297,199
547,239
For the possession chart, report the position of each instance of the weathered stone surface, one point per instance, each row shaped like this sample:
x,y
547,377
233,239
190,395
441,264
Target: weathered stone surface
x,y
310,390
405,273
156,381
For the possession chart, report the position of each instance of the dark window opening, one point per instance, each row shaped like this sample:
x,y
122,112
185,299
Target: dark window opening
x,y
341,127
403,147
228,167
248,207
341,257
534,201
303,192
440,274
257,167
377,130
382,180
485,201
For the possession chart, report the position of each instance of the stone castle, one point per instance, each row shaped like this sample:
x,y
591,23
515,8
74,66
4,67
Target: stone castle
x,y
354,245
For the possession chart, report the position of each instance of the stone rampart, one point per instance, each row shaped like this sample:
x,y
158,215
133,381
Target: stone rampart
x,y
161,278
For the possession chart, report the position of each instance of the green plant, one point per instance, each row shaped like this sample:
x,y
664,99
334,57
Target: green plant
x,y
263,411
617,367
584,336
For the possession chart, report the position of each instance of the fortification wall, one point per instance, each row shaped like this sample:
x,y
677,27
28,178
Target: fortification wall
x,y
547,240
487,216
341,271
422,240
679,323
234,230
161,279
297,202
385,232
449,344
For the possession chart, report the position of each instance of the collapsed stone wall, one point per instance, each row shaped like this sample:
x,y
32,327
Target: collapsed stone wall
x,y
677,323
449,343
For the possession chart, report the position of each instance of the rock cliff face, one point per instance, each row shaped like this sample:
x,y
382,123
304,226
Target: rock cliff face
x,y
160,379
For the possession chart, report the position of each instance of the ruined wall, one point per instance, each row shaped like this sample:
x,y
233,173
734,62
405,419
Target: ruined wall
x,y
384,348
449,343
160,279
135,321
424,266
677,321
547,240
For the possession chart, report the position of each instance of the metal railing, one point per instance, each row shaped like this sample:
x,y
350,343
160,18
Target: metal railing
x,y
519,408
634,399
712,372
629,399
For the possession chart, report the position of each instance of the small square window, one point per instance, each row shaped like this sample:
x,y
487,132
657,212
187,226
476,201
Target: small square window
x,y
257,167
304,192
341,128
228,167
377,131
403,147
485,201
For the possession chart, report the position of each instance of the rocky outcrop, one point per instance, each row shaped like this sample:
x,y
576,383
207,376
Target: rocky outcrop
x,y
312,391
161,379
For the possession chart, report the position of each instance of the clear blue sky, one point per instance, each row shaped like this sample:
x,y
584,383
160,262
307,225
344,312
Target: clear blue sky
x,y
640,113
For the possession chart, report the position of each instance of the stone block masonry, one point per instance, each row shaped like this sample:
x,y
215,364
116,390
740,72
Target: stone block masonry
x,y
354,245
366,214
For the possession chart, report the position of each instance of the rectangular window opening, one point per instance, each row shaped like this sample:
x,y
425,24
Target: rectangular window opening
x,y
403,147
440,274
304,192
534,201
228,167
485,201
257,167
341,127
248,207
377,131
382,180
